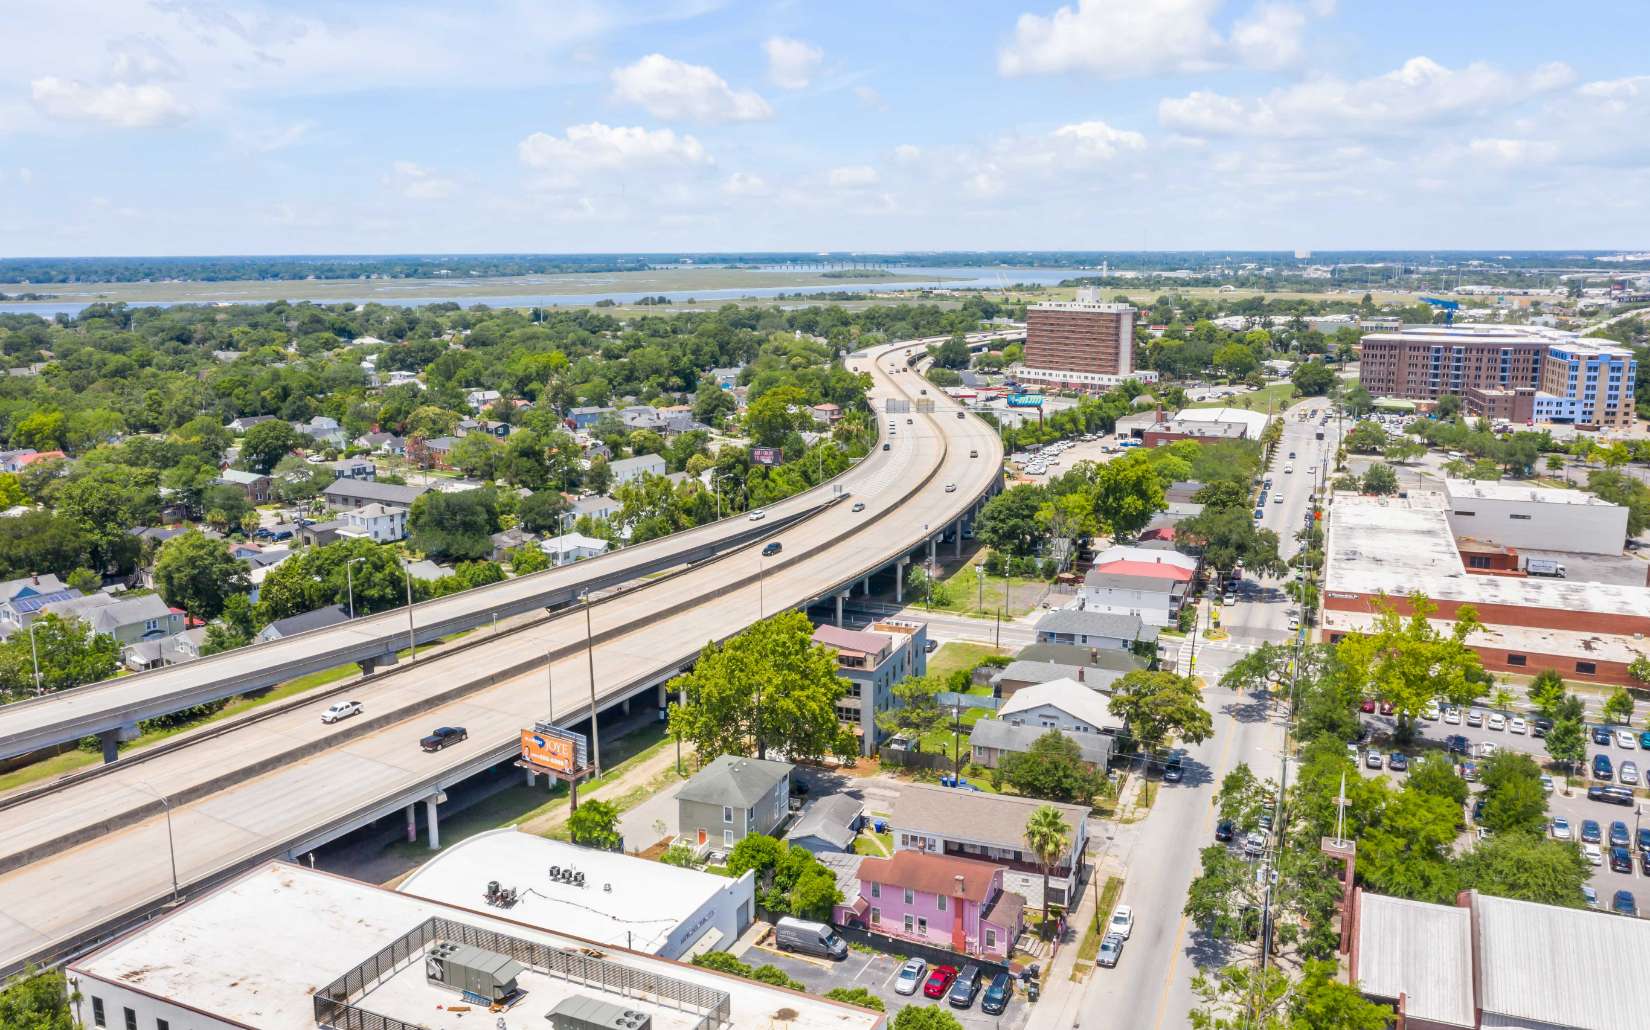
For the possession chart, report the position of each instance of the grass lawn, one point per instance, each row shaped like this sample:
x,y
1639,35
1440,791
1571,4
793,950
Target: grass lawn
x,y
955,654
1023,593
1089,948
1274,396
876,845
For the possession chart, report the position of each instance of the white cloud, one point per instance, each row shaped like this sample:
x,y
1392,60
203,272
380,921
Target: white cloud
x,y
1097,140
1521,152
270,140
853,177
418,183
907,153
119,104
1066,157
791,62
1119,39
868,96
674,90
743,184
606,147
1421,91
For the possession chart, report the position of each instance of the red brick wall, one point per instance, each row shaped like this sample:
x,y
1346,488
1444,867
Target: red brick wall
x,y
1508,615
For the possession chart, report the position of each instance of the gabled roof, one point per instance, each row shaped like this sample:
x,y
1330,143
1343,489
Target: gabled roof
x,y
1098,580
932,874
734,780
975,815
1148,569
1093,748
320,618
1092,623
831,819
241,476
371,490
1081,654
1078,700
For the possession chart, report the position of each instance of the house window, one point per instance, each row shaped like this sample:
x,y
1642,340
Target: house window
x,y
750,818
910,924
727,814
922,926
876,889
1587,667
97,1012
161,1024
1517,659
910,896
131,1019
940,900
876,916
990,939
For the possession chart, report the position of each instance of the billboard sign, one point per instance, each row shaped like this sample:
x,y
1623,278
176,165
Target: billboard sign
x,y
767,455
1025,400
553,748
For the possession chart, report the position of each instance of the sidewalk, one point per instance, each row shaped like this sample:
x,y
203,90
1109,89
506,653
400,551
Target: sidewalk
x,y
1062,997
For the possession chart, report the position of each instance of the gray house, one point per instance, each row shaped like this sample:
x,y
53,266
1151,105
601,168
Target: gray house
x,y
347,494
1111,630
732,797
320,618
829,823
993,739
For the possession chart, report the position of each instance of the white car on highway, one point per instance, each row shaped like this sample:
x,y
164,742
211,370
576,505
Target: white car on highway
x,y
1122,922
340,711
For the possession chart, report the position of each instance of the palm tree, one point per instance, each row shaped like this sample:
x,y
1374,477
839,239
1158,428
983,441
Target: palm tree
x,y
1046,835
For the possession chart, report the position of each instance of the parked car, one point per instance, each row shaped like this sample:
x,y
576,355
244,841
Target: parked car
x,y
1398,762
1546,784
1431,713
1592,854
1618,834
1254,845
997,994
340,711
939,979
1111,949
1620,861
1590,895
1561,828
1457,744
1517,725
1452,715
1644,740
443,736
964,988
1373,759
1497,721
1122,921
1540,725
1629,774
1610,795
1368,707
1602,769
1601,736
1224,830
1625,738
1623,904
1475,718
773,548
911,976
809,937
1591,832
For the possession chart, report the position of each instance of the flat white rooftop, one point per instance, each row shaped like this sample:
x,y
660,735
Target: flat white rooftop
x,y
1397,546
256,950
1582,646
625,902
1503,490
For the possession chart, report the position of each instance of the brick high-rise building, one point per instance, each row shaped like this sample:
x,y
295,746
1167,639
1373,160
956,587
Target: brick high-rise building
x,y
1427,362
1080,345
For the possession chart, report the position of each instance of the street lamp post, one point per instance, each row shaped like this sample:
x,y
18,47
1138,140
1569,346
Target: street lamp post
x,y
171,848
590,658
349,579
34,652
979,576
412,641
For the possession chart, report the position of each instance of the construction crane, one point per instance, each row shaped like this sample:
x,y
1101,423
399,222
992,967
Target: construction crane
x,y
1448,307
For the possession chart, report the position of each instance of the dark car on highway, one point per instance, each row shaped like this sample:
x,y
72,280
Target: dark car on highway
x,y
443,737
771,550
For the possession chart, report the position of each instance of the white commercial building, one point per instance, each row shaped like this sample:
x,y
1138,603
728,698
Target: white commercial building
x,y
622,901
1535,518
287,948
1253,422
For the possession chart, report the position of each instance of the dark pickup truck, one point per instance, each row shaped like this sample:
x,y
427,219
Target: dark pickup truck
x,y
442,737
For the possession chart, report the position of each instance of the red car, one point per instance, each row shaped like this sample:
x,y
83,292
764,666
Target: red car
x,y
939,981
1386,708
1368,708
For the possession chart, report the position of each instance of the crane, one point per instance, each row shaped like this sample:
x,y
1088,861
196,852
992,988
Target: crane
x,y
1448,307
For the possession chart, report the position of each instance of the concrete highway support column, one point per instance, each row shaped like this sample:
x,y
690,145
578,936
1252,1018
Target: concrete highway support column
x,y
839,598
434,820
412,823
110,739
866,587
532,777
933,546
899,580
956,551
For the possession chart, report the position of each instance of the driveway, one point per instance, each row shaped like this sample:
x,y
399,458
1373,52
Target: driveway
x,y
875,972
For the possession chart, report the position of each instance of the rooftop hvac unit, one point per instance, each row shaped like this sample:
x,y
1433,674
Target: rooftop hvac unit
x,y
583,1013
469,969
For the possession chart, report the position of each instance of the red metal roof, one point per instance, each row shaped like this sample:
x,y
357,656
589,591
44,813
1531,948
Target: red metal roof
x,y
1159,570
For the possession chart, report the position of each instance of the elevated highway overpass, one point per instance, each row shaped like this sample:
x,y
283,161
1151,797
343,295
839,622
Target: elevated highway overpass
x,y
84,860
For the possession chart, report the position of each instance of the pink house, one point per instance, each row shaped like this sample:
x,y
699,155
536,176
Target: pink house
x,y
958,904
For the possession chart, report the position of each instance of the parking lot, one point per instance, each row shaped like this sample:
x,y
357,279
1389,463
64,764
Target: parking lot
x,y
875,972
1570,803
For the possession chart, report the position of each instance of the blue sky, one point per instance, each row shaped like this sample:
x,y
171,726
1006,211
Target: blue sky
x,y
256,126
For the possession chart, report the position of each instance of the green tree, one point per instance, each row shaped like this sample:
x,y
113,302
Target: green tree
x,y
1322,1002
1047,837
84,580
1313,378
1435,774
198,574
860,996
1407,662
1639,670
1513,798
1527,867
541,512
1546,692
756,852
1052,769
70,655
814,892
1367,438
1008,522
1566,741
454,525
37,1000
1126,495
1157,704
267,443
953,353
1618,707
1242,797
1380,479
916,709
925,1017
527,558
595,825
773,416
1407,852
1257,670
1224,895
769,686
1228,536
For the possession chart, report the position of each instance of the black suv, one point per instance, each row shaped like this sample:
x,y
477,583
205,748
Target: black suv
x,y
965,987
1540,725
443,737
771,550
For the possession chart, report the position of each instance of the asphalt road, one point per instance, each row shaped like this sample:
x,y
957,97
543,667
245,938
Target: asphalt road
x,y
1151,988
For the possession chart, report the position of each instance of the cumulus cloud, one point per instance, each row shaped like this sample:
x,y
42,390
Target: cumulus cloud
x,y
1513,151
1421,91
907,153
418,183
743,184
1120,39
1037,161
122,105
677,91
853,177
791,62
870,98
595,146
